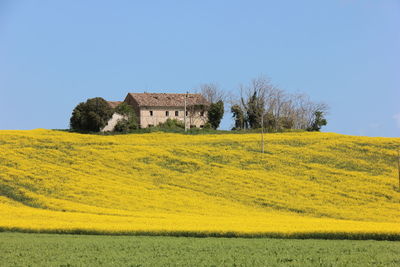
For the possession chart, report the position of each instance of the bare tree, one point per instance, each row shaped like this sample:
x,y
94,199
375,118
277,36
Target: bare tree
x,y
212,93
304,110
253,99
262,101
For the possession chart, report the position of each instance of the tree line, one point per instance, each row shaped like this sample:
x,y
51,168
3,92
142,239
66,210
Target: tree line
x,y
259,104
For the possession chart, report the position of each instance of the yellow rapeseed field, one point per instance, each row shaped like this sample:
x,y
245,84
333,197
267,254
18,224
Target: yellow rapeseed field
x,y
220,184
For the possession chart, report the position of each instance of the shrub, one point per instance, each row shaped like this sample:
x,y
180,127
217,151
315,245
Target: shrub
x,y
172,124
130,122
207,125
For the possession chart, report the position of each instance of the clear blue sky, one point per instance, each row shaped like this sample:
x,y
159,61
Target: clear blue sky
x,y
55,54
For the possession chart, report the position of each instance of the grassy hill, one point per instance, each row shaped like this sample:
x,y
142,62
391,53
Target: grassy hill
x,y
305,185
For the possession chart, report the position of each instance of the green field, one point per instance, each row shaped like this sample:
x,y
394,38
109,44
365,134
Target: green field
x,y
19,249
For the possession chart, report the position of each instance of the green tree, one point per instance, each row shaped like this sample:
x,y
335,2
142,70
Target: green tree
x,y
317,122
91,115
215,113
238,115
255,109
129,122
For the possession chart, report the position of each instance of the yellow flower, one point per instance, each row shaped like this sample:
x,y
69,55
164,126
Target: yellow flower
x,y
304,183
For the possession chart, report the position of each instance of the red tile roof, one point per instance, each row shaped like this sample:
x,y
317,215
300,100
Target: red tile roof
x,y
113,104
168,100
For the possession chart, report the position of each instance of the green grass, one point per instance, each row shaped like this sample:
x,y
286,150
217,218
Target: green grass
x,y
18,249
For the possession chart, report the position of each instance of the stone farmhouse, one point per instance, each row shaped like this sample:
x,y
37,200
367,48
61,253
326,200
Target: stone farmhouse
x,y
154,108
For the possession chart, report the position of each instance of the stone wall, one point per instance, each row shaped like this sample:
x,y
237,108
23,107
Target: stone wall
x,y
112,122
152,116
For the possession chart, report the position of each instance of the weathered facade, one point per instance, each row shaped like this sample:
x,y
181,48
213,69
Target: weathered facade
x,y
154,108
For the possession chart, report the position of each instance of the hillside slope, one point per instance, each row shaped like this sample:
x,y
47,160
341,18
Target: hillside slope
x,y
304,183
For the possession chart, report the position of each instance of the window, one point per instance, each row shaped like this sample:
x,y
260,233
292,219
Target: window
x,y
167,113
192,126
201,126
176,113
202,113
151,113
187,113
